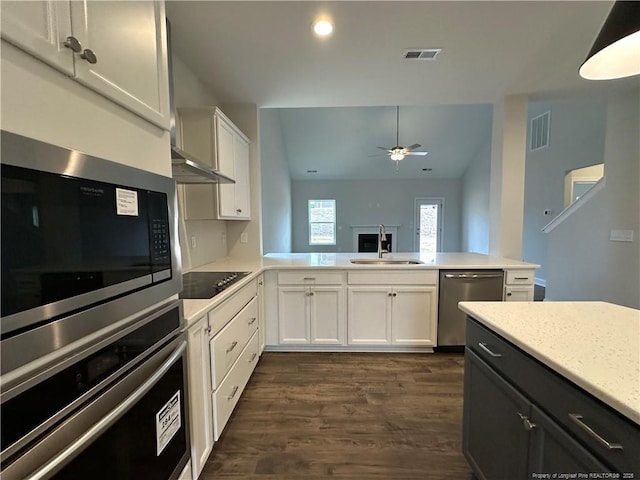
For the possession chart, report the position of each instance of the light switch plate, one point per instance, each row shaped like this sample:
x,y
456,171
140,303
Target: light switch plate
x,y
621,236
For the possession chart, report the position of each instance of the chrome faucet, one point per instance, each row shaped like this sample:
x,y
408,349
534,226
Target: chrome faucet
x,y
382,237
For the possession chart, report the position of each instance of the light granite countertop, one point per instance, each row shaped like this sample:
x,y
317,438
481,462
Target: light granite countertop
x,y
194,309
595,345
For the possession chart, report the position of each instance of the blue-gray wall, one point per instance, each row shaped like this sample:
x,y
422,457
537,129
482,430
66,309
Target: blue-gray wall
x,y
475,202
576,139
582,262
276,185
371,202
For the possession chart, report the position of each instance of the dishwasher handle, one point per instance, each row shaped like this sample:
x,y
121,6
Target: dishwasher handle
x,y
473,276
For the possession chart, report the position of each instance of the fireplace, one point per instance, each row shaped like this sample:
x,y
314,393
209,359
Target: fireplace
x,y
368,242
365,238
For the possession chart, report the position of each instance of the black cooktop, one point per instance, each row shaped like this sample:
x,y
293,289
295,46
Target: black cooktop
x,y
208,284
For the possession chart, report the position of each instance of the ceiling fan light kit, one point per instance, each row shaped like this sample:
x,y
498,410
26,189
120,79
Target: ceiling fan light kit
x,y
399,152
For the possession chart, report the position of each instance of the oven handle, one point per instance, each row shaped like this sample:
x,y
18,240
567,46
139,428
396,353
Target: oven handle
x,y
112,417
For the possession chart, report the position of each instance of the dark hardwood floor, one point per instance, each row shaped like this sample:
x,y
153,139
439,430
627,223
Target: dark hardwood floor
x,y
346,415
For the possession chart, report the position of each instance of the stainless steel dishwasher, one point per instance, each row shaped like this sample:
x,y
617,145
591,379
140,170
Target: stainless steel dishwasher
x,y
458,286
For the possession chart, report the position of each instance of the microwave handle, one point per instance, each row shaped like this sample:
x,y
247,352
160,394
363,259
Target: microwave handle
x,y
108,420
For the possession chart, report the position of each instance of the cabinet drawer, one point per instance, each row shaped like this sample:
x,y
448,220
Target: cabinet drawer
x,y
227,345
393,277
519,277
228,393
220,316
561,399
310,278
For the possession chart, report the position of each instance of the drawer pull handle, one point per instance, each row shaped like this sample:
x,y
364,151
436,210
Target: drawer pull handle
x,y
233,345
253,357
526,423
577,419
521,278
233,393
484,347
252,321
309,278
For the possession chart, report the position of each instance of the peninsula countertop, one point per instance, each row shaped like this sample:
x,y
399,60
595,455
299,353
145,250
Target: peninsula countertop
x,y
595,345
194,309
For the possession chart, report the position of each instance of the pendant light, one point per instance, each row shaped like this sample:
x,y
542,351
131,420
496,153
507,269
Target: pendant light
x,y
616,51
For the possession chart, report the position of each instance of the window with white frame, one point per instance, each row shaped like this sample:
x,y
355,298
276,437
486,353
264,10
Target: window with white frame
x,y
322,222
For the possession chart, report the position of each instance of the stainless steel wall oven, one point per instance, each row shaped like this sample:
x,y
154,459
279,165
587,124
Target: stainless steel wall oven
x,y
86,243
93,362
116,410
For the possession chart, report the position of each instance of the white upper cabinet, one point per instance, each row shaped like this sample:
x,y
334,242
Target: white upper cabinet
x,y
208,135
117,48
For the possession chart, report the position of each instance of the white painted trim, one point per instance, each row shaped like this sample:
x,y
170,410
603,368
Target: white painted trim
x,y
567,212
348,348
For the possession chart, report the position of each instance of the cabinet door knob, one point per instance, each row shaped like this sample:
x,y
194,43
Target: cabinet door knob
x,y
89,56
239,210
509,294
526,423
73,43
395,294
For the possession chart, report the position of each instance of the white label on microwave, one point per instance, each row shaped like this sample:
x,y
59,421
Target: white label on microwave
x,y
126,202
167,422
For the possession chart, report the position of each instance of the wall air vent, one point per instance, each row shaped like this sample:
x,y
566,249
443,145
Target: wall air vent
x,y
421,53
539,132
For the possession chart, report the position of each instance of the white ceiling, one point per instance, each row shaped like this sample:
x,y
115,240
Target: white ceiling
x,y
264,53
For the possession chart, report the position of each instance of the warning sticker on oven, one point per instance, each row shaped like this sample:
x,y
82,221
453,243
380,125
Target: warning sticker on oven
x,y
126,202
167,422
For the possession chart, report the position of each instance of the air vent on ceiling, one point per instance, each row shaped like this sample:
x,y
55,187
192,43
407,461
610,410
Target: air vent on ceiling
x,y
422,53
539,132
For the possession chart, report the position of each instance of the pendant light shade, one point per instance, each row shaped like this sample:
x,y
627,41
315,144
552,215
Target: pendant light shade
x,y
616,51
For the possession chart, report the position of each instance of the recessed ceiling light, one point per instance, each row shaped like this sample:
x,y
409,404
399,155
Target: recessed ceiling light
x,y
312,171
427,169
323,28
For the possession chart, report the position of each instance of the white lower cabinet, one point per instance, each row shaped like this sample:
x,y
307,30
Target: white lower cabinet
x,y
222,352
233,350
226,396
311,308
414,312
392,308
369,314
200,407
519,285
399,315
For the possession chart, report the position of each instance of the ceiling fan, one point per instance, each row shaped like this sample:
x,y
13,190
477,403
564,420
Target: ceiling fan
x,y
398,152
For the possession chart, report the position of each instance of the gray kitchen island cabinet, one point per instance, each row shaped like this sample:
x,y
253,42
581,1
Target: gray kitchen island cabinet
x,y
521,420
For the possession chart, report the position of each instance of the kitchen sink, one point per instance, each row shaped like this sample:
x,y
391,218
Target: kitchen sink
x,y
385,261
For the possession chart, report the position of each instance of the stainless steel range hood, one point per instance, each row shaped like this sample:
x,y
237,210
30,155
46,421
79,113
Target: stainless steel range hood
x,y
186,168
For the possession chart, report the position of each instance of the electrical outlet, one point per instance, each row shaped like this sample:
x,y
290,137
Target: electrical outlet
x,y
621,236
244,237
194,243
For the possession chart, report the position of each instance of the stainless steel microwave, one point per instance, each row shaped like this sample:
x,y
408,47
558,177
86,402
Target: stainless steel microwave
x,y
86,243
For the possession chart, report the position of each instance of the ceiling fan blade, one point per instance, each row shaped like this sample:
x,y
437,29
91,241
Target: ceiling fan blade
x,y
417,153
412,147
384,148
